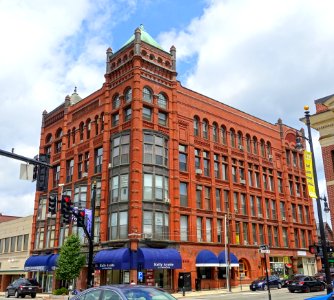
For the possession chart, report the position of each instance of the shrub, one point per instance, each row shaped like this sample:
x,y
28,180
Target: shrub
x,y
61,291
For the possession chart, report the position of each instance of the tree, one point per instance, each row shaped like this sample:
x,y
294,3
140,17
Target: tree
x,y
70,260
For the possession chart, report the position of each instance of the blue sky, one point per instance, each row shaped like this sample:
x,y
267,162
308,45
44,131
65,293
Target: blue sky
x,y
265,57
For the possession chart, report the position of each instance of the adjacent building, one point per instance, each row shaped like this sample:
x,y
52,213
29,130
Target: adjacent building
x,y
187,187
15,233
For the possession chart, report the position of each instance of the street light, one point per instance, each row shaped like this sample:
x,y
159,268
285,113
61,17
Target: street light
x,y
318,199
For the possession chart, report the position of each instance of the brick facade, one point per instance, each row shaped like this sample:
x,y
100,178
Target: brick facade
x,y
166,163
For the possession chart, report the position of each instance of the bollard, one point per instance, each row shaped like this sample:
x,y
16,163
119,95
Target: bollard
x,y
183,291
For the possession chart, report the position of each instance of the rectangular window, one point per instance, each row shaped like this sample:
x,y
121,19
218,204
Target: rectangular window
x,y
224,168
199,229
273,210
183,194
86,162
184,228
147,113
243,204
197,159
50,236
198,196
261,236
219,231
19,242
80,166
234,174
127,114
80,195
208,228
41,209
282,209
69,170
183,158
285,237
255,241
162,118
259,206
218,200
252,205
56,175
98,160
226,200
207,198
245,232
12,243
115,119
25,242
206,163
148,187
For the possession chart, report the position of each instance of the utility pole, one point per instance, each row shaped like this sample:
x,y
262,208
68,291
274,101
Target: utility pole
x,y
90,276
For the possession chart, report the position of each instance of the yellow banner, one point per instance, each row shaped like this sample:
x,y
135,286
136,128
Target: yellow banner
x,y
309,174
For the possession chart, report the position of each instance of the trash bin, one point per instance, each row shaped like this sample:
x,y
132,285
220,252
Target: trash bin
x,y
197,284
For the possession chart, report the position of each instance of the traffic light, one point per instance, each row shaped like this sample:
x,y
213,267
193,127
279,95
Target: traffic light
x,y
66,208
52,208
313,249
42,173
81,218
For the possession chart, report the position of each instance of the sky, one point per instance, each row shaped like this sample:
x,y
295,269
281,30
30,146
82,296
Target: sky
x,y
265,57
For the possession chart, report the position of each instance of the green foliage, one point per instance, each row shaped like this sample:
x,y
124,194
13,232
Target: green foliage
x,y
70,260
61,291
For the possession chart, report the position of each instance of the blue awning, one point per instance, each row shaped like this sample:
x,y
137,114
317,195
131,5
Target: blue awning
x,y
43,263
206,258
152,258
115,259
234,262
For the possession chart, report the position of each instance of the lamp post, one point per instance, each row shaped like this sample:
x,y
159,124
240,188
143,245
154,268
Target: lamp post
x,y
318,199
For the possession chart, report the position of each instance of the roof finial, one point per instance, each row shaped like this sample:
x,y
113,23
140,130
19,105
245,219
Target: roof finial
x,y
141,27
75,89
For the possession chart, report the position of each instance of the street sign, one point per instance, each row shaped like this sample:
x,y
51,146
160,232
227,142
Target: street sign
x,y
264,249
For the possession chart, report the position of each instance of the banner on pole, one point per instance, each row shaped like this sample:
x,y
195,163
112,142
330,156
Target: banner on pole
x,y
309,174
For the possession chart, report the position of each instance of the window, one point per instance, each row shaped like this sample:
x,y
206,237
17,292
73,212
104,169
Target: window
x,y
232,137
19,241
86,162
206,163
197,159
259,206
255,145
219,231
184,228
25,242
127,114
199,229
157,224
41,209
224,168
207,198
58,146
240,141
223,134
50,236
252,205
183,157
282,209
255,241
199,196
98,160
155,150
12,243
235,202
248,143
218,200
120,188
120,150
183,194
285,237
216,166
162,118
80,165
88,128
215,132
273,210
162,101
147,95
196,126
115,119
80,196
39,238
147,113
279,182
245,232
69,170
205,129
208,225
243,204
155,187
116,102
118,225
128,95
300,214
262,146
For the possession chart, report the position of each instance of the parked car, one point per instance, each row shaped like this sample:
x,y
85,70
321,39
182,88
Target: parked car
x,y
286,282
261,283
20,288
306,284
124,292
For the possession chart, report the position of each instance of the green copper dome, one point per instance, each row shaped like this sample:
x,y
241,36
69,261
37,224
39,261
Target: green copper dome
x,y
145,37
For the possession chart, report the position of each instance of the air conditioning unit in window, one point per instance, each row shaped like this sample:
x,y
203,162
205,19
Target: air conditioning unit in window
x,y
240,147
147,236
84,174
260,215
270,157
283,218
199,187
198,171
245,242
242,181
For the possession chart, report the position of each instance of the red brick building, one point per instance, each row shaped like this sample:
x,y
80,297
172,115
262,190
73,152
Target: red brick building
x,y
181,178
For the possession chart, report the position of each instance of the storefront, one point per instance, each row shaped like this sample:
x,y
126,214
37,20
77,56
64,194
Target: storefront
x,y
42,268
153,266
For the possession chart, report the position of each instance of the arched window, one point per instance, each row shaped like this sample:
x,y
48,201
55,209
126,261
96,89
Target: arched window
x,y
73,135
269,150
205,129
128,95
215,132
69,138
263,150
81,131
223,134
116,102
147,95
102,121
240,142
59,133
196,126
255,145
96,125
88,128
243,268
248,143
232,137
48,138
162,101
